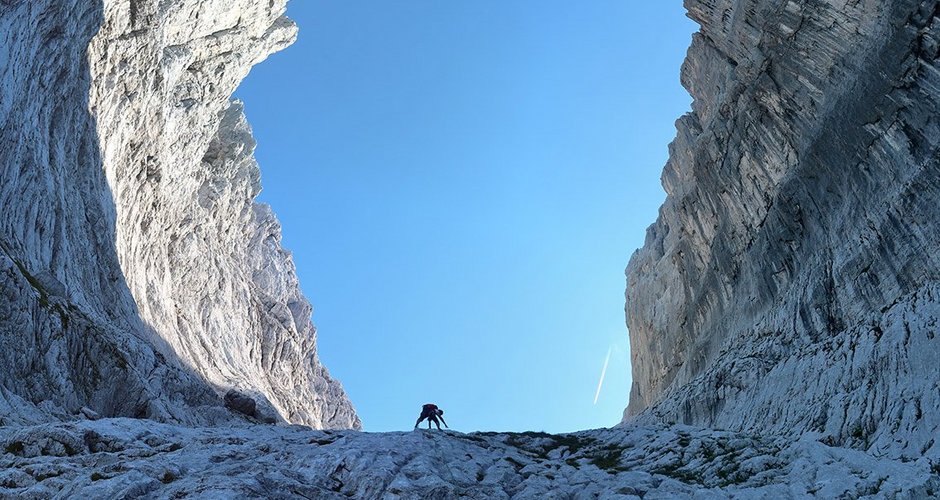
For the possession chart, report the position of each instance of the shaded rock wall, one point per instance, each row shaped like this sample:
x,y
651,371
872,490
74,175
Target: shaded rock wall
x,y
139,277
790,283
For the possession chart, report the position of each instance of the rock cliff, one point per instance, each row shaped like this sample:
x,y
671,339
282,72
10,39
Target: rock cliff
x,y
138,275
791,282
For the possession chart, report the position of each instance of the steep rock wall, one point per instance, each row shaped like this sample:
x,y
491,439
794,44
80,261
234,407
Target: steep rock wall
x,y
139,276
790,283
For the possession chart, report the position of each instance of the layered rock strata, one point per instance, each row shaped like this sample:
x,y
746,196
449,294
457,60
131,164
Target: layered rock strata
x,y
139,277
791,282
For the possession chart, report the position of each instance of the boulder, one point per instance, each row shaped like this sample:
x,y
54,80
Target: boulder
x,y
240,402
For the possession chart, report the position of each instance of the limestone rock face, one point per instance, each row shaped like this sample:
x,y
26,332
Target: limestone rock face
x,y
138,275
791,283
119,458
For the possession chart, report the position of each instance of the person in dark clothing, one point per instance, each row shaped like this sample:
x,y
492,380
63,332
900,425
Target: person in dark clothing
x,y
434,418
434,414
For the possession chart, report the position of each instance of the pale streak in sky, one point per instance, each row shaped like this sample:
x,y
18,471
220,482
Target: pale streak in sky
x,y
603,374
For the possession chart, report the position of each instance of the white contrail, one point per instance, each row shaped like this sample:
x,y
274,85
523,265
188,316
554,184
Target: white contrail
x,y
603,374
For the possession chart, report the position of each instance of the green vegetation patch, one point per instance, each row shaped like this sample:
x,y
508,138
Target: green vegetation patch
x,y
472,437
42,477
608,459
14,447
572,442
540,444
515,463
679,474
43,294
70,451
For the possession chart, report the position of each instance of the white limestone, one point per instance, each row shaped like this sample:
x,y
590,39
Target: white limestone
x,y
139,277
788,291
791,282
123,458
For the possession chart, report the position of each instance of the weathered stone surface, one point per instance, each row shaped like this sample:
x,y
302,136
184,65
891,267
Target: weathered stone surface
x,y
138,277
123,458
791,282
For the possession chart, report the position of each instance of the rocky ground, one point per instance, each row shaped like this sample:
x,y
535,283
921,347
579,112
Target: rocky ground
x,y
127,458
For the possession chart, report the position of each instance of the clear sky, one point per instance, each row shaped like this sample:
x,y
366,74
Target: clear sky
x,y
462,184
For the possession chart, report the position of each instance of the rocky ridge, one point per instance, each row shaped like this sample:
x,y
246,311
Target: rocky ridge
x,y
139,277
790,284
125,458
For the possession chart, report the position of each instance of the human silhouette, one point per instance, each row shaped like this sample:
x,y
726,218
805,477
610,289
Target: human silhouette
x,y
434,414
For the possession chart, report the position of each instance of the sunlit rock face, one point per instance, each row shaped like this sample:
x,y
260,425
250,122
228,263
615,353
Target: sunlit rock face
x,y
791,283
139,277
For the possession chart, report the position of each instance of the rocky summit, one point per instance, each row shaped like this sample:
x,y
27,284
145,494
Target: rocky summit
x,y
126,458
783,312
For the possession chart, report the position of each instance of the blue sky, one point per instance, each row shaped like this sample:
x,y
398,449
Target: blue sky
x,y
462,184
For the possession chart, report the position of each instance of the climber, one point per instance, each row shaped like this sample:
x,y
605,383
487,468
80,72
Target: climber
x,y
431,412
439,415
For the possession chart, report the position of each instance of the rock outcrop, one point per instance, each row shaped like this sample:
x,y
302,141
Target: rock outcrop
x,y
138,277
791,283
123,458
